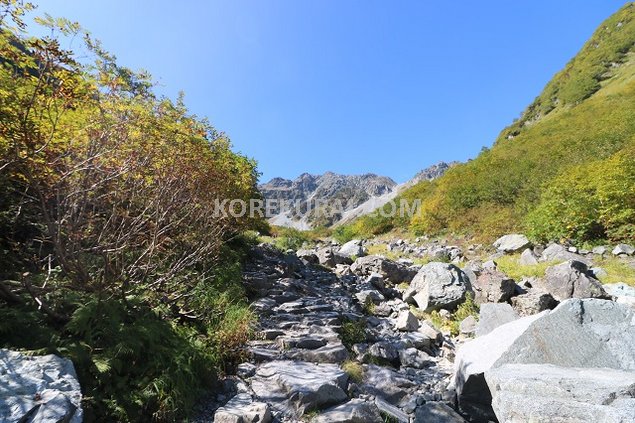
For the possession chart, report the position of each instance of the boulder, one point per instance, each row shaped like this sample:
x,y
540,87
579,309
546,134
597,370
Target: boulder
x,y
308,255
242,409
572,279
623,249
437,412
384,351
533,302
599,250
511,243
556,252
468,325
352,248
492,286
436,286
391,271
528,258
370,295
38,389
386,383
354,411
328,257
619,289
306,386
493,315
577,333
406,321
544,392
412,357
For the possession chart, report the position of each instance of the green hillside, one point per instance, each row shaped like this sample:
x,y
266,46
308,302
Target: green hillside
x,y
565,169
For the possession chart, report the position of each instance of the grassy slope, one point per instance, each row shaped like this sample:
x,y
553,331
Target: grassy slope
x,y
585,114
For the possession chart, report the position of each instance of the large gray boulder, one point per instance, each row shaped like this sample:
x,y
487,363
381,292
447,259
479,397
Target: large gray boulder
x,y
577,333
437,285
328,257
623,249
38,389
304,386
556,252
406,321
492,286
386,383
572,279
544,392
528,258
391,271
511,243
352,248
308,255
533,302
493,315
354,411
437,412
243,409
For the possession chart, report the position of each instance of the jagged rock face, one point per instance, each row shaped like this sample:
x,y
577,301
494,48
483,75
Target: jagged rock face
x,y
433,172
330,188
353,191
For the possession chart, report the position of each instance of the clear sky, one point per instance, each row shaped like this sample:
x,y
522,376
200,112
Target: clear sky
x,y
351,86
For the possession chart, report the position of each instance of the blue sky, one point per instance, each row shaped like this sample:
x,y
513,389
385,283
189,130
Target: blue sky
x,y
351,86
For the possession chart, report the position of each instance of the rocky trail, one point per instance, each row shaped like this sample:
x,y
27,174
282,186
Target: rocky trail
x,y
342,338
300,367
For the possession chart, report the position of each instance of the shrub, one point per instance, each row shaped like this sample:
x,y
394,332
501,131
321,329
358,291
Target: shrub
x,y
354,370
353,332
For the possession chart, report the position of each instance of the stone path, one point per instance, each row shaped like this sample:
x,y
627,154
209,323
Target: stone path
x,y
400,372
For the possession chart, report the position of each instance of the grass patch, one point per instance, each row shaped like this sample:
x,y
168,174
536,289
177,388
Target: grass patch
x,y
451,324
354,370
617,270
510,265
353,332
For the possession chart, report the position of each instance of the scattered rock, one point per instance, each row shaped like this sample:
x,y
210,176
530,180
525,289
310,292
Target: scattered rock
x,y
493,315
572,279
412,357
511,243
352,248
600,250
354,411
384,351
619,289
406,321
308,255
623,249
242,409
492,286
38,389
386,383
437,285
556,252
528,258
307,386
390,270
468,325
437,412
543,392
533,302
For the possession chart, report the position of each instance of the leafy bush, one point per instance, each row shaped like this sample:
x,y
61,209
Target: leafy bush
x,y
112,249
587,202
353,332
289,238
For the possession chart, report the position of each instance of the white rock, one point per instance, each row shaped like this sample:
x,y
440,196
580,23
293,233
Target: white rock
x,y
511,243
